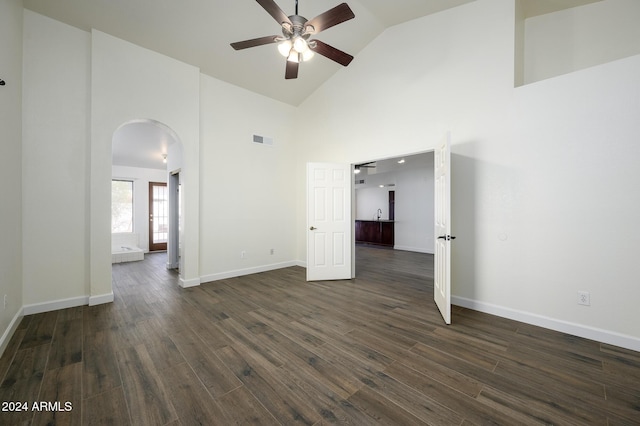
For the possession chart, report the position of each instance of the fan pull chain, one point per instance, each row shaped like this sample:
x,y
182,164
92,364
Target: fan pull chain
x,y
296,7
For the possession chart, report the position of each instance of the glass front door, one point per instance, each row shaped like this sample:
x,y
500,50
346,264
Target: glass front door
x,y
158,216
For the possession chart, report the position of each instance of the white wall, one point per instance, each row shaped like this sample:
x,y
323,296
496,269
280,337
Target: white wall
x,y
141,178
123,82
414,226
130,83
369,200
247,189
55,150
543,181
543,176
10,167
580,37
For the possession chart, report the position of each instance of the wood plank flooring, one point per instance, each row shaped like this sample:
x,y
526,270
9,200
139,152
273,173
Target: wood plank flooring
x,y
272,349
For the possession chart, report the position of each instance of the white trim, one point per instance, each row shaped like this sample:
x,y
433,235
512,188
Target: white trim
x,y
587,332
189,283
247,271
301,263
54,305
100,299
8,333
414,249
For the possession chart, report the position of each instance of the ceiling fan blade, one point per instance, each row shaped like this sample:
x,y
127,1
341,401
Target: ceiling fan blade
x,y
330,18
274,10
332,53
239,45
292,70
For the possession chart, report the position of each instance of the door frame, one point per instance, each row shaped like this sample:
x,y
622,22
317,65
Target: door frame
x,y
353,194
173,242
155,246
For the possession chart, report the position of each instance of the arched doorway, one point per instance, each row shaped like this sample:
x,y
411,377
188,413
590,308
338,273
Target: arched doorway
x,y
147,158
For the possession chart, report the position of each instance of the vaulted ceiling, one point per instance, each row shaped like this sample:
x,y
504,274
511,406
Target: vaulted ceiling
x,y
198,32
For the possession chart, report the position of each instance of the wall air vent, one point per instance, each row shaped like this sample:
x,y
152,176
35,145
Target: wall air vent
x,y
263,140
359,181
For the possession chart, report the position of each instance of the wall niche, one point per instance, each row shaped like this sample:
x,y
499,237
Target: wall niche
x,y
556,37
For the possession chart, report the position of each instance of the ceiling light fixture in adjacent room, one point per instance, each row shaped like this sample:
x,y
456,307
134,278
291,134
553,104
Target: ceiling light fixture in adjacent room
x,y
164,158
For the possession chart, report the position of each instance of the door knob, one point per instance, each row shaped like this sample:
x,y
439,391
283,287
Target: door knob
x,y
446,237
313,228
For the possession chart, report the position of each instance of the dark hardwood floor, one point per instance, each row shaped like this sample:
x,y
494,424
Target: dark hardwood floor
x,y
272,349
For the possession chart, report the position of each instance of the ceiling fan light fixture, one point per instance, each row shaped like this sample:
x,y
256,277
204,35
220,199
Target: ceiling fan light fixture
x,y
285,48
294,43
300,45
307,55
294,56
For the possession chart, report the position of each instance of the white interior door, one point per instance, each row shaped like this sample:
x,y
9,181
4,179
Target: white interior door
x,y
328,221
442,261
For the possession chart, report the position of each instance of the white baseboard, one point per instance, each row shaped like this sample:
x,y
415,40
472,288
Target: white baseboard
x,y
100,299
54,305
247,271
189,283
8,333
301,263
587,332
414,249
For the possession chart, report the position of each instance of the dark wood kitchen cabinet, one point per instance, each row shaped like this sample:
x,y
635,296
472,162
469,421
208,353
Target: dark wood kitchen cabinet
x,y
378,232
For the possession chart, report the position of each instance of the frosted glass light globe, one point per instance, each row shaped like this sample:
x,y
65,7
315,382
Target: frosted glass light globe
x,y
284,48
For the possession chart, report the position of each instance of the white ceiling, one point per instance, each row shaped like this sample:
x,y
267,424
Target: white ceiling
x,y
541,7
141,144
198,32
387,169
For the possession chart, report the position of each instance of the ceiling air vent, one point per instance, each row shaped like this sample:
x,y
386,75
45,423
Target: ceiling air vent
x,y
263,140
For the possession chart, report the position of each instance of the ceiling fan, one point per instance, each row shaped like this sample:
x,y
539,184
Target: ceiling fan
x,y
295,43
358,167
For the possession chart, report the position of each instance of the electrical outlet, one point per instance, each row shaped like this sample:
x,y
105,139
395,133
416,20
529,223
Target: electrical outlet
x,y
584,298
4,306
243,254
272,251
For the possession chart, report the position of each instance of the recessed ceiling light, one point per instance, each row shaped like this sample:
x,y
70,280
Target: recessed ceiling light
x,y
401,161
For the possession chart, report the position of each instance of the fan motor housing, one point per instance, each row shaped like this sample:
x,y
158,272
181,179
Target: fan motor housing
x,y
298,28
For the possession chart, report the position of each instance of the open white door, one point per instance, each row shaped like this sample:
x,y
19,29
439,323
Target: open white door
x,y
442,262
328,221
